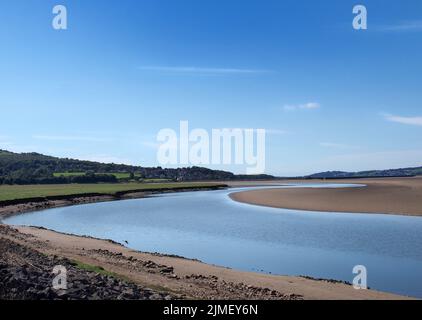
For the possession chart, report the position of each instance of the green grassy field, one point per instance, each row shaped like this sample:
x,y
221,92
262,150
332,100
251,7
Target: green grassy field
x,y
14,192
68,174
156,180
118,175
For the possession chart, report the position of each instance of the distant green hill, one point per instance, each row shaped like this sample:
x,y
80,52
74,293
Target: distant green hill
x,y
402,172
35,168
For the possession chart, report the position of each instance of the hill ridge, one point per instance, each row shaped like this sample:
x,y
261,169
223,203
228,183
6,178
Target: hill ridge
x,y
36,168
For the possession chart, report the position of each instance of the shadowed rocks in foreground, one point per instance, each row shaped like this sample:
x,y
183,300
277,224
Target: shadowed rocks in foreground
x,y
25,274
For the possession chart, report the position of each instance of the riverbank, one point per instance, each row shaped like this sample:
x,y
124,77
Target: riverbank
x,y
13,205
161,276
23,193
402,196
168,276
26,274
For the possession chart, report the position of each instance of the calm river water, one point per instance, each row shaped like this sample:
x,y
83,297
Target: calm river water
x,y
211,227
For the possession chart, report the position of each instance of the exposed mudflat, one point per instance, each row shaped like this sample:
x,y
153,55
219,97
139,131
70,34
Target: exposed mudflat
x,y
382,195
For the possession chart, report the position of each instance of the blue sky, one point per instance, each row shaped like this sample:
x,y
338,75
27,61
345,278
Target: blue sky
x,y
331,97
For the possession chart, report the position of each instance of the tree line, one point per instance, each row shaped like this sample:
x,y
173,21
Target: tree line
x,y
34,168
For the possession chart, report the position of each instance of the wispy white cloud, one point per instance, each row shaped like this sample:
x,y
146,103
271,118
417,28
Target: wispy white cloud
x,y
201,70
304,106
415,121
69,138
337,145
406,26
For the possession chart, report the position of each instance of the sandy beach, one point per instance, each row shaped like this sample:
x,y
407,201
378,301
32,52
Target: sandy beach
x,y
387,195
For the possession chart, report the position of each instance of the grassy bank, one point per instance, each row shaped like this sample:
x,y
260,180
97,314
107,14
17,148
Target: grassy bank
x,y
15,192
118,175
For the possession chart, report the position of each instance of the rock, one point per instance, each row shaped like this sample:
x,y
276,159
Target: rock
x,y
128,292
34,280
167,270
62,294
155,296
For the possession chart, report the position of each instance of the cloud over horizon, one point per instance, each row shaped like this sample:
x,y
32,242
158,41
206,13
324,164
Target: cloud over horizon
x,y
405,26
415,121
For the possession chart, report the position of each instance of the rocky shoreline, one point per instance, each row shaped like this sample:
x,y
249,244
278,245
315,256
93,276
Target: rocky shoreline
x,y
26,274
